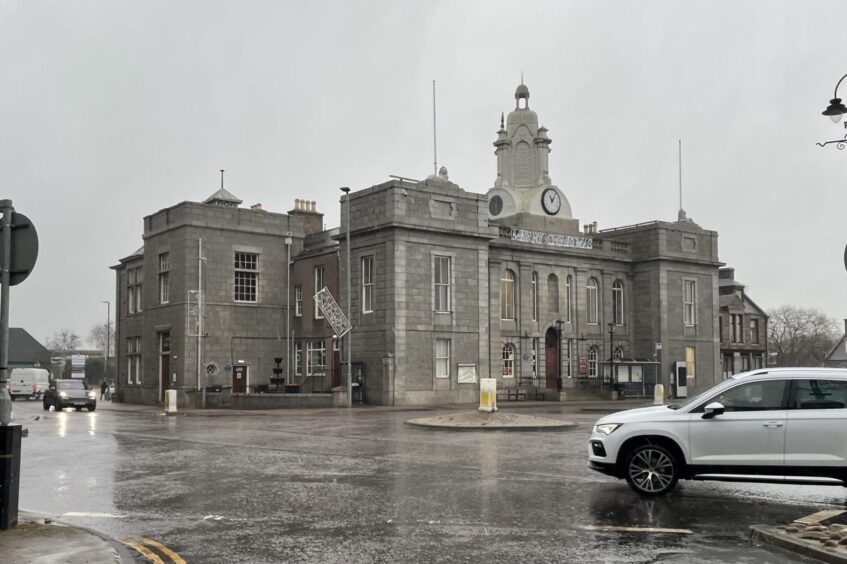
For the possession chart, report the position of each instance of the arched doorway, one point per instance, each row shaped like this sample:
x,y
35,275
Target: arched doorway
x,y
551,358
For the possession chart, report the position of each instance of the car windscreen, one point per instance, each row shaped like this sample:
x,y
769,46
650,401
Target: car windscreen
x,y
70,385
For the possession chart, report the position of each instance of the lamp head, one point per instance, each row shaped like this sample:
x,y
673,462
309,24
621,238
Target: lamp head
x,y
835,110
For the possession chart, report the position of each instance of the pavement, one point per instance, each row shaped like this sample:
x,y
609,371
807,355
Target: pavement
x,y
497,421
41,539
821,535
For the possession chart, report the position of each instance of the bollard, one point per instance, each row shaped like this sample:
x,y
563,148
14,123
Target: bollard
x,y
487,394
659,395
170,402
10,471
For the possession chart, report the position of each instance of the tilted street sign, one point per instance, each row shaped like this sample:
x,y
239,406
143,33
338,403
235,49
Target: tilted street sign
x,y
24,248
329,307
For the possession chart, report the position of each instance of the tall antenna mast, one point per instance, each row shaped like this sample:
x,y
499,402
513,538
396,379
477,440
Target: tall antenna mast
x,y
434,135
222,179
680,174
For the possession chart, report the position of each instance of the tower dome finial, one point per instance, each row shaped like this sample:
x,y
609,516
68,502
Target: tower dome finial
x,y
522,93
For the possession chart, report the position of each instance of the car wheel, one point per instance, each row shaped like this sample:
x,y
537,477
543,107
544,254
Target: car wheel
x,y
651,470
90,407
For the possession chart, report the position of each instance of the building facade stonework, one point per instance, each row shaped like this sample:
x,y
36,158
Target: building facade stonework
x,y
447,286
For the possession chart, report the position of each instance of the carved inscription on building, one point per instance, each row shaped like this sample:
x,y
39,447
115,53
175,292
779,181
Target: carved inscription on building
x,y
551,239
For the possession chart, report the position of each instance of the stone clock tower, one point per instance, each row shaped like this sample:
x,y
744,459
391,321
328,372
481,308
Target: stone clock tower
x,y
523,194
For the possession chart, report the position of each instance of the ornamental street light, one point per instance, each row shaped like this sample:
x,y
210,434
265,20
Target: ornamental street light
x,y
611,354
108,338
835,111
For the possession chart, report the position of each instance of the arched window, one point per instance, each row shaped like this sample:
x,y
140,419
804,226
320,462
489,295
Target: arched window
x,y
618,353
617,302
592,362
534,296
568,285
593,302
507,295
553,293
508,360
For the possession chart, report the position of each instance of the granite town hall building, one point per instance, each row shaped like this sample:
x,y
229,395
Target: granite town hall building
x,y
448,286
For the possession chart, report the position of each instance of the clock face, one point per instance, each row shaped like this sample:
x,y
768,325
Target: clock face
x,y
551,201
495,205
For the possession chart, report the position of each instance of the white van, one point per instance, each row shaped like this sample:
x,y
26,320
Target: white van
x,y
28,382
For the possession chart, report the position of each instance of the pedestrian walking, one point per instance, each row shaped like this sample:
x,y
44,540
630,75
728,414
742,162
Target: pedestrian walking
x,y
104,387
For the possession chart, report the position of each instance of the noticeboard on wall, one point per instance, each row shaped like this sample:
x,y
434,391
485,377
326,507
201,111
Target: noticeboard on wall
x,y
467,374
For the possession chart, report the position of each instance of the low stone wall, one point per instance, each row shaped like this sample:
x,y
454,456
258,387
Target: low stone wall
x,y
218,400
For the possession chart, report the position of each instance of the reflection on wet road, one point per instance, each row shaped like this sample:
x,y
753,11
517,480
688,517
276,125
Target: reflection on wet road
x,y
332,486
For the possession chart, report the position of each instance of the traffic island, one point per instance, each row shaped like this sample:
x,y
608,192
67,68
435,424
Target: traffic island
x,y
494,421
822,535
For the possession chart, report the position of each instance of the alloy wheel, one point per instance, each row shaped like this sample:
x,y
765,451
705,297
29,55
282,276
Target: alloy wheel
x,y
651,470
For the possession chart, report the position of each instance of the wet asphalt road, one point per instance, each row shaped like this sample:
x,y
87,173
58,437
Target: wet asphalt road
x,y
333,486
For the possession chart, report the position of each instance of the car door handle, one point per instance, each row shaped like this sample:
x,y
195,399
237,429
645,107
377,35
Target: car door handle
x,y
772,424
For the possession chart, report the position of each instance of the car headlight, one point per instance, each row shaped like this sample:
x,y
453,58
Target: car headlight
x,y
606,428
92,395
63,394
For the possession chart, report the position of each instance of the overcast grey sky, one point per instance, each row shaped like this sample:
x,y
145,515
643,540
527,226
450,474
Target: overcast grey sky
x,y
113,110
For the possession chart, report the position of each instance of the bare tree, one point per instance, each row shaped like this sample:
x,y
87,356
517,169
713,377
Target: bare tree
x,y
800,336
97,336
63,341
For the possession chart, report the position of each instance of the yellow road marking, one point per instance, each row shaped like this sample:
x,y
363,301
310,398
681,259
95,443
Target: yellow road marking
x,y
612,529
145,551
176,558
819,516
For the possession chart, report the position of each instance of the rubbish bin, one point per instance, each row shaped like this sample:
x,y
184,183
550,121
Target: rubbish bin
x,y
10,471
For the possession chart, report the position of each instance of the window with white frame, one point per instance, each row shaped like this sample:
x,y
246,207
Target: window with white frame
x,y
507,295
315,357
441,283
164,277
133,360
592,361
367,284
736,324
689,298
298,301
133,290
319,285
298,358
508,357
553,293
593,302
246,277
442,358
617,302
568,300
754,331
534,296
618,353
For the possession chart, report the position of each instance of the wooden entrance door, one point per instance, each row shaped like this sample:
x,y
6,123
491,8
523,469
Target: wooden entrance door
x,y
239,379
164,364
551,357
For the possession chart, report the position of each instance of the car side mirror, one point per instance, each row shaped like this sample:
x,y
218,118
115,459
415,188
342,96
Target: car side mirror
x,y
714,408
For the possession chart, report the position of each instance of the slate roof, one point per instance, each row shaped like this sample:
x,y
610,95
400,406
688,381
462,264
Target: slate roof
x,y
24,350
839,351
222,195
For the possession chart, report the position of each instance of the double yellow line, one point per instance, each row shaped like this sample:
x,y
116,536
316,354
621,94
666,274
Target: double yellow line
x,y
143,546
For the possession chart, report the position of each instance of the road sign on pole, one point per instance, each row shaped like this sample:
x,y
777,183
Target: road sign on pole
x,y
331,310
24,249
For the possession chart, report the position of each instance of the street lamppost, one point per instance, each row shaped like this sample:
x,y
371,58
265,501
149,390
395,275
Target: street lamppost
x,y
834,111
108,337
346,191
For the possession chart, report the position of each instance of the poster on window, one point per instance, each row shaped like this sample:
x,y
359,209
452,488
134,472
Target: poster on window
x,y
635,374
623,374
467,374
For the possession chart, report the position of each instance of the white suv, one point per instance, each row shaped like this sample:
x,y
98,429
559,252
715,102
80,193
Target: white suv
x,y
776,425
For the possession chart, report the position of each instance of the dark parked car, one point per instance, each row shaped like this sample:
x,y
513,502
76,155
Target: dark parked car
x,y
70,393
